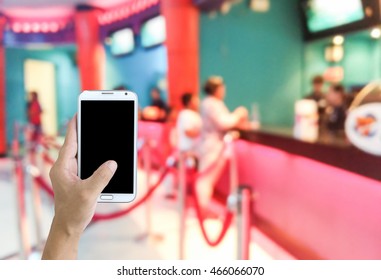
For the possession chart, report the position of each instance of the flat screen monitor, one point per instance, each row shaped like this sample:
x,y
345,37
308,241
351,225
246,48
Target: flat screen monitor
x,y
153,32
324,18
122,41
326,14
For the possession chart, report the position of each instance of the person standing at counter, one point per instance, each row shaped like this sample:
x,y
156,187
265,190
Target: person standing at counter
x,y
336,109
217,120
318,95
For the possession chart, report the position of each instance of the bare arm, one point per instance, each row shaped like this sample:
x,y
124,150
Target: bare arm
x,y
225,120
75,199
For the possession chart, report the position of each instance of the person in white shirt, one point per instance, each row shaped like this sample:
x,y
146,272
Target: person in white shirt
x,y
189,124
217,120
188,128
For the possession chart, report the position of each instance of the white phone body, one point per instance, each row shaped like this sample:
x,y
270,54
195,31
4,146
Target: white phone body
x,y
106,96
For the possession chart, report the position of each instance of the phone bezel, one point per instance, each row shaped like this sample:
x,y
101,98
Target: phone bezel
x,y
111,95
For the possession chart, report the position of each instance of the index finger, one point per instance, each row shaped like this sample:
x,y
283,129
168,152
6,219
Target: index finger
x,y
69,148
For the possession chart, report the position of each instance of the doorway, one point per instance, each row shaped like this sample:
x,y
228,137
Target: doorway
x,y
39,76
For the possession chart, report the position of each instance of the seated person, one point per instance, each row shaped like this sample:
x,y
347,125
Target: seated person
x,y
157,110
188,123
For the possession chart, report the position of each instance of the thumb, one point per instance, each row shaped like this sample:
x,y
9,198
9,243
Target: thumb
x,y
102,176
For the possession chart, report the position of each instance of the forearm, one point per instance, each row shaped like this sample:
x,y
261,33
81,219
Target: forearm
x,y
227,122
61,244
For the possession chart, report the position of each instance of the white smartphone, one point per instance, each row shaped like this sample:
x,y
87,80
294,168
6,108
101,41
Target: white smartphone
x,y
107,130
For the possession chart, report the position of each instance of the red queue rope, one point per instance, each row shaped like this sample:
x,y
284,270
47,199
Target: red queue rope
x,y
48,159
50,144
152,189
99,217
210,168
201,219
44,185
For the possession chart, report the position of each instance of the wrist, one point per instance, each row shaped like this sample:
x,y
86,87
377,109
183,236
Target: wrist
x,y
66,230
62,243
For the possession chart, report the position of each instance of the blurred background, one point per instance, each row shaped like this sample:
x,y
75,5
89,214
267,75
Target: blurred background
x,y
298,67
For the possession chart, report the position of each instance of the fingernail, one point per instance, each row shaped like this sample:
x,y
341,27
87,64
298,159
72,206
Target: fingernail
x,y
112,165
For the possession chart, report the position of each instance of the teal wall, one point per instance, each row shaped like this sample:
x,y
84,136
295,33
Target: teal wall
x,y
139,71
67,83
361,62
260,56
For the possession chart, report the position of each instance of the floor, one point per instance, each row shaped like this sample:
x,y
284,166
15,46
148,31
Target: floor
x,y
128,237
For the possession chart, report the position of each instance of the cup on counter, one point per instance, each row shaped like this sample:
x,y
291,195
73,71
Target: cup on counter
x,y
306,123
255,118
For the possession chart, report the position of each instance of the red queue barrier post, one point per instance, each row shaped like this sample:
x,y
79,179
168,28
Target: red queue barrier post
x,y
242,201
182,205
182,196
243,222
37,208
147,165
3,72
26,248
33,154
147,168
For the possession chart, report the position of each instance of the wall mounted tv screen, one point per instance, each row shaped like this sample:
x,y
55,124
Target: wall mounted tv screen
x,y
122,42
153,32
324,18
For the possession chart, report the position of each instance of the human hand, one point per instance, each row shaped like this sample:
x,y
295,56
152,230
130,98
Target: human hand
x,y
242,113
75,199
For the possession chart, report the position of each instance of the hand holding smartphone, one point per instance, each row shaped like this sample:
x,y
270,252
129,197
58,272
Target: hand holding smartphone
x,y
107,130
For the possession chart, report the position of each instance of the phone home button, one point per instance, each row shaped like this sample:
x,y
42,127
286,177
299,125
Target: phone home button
x,y
107,197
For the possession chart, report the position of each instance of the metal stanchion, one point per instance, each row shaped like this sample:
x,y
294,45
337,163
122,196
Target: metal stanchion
x,y
31,172
240,200
25,245
243,222
182,203
147,168
233,176
37,206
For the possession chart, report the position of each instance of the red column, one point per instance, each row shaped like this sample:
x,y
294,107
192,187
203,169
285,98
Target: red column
x,y
3,136
90,53
182,21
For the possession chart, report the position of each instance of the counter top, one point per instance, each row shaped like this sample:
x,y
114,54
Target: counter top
x,y
335,151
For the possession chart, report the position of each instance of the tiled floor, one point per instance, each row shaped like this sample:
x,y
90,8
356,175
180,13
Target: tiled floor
x,y
126,237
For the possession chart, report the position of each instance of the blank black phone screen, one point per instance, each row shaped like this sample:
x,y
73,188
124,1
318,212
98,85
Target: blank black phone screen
x,y
107,133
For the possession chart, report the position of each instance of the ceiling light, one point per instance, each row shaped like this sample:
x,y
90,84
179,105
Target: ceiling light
x,y
375,33
338,40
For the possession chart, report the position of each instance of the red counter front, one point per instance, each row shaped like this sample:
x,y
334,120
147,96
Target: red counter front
x,y
313,209
317,210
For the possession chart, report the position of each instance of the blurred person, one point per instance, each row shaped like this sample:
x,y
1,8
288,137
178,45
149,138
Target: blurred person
x,y
157,110
34,112
336,109
120,87
157,100
217,120
188,129
189,123
152,113
74,199
318,95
